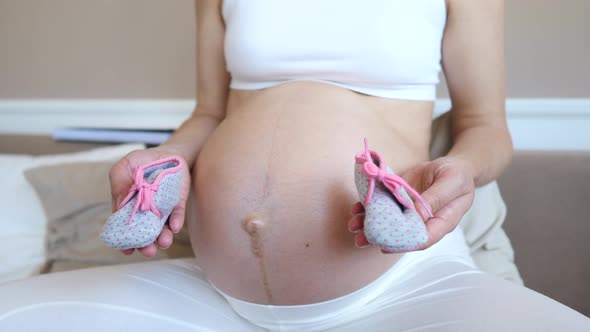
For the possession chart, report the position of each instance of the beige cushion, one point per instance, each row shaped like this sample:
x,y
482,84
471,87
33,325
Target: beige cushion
x,y
548,198
76,201
22,240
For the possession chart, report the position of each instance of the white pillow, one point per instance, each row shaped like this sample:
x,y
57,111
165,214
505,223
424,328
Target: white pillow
x,y
22,220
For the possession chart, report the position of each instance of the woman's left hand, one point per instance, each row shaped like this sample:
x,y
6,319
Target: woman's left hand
x,y
446,184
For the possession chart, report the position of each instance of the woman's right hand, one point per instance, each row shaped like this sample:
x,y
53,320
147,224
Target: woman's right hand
x,y
121,178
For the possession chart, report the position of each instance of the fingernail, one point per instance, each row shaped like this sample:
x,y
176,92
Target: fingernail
x,y
428,209
361,246
173,229
422,210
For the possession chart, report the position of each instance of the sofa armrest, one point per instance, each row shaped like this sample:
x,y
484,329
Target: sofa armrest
x,y
548,221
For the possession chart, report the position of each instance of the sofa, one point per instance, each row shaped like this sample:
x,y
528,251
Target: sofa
x,y
548,222
546,193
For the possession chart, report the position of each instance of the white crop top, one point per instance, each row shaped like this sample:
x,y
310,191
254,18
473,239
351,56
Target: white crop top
x,y
385,48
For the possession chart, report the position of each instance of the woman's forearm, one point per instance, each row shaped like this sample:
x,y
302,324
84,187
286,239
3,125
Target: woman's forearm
x,y
190,137
486,148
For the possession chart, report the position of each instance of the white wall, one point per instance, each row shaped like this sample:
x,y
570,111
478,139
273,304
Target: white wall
x,y
70,49
98,60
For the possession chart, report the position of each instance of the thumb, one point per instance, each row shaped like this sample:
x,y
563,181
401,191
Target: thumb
x,y
419,178
116,202
119,200
121,179
444,189
416,177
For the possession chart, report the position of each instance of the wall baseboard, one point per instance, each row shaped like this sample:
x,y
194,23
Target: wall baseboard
x,y
42,116
535,124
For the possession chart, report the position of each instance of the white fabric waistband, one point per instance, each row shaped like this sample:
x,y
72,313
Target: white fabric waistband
x,y
302,316
269,315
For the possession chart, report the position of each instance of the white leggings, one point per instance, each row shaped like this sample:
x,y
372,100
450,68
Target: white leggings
x,y
433,290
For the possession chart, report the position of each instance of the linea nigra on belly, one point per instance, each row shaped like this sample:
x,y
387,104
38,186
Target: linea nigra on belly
x,y
253,226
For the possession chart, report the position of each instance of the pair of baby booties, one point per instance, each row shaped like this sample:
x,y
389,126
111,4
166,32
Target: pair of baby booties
x,y
391,221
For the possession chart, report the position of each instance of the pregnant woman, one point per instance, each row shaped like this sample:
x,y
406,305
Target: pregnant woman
x,y
286,92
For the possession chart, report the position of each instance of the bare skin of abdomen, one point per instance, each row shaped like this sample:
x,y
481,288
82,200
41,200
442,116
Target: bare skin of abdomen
x,y
273,189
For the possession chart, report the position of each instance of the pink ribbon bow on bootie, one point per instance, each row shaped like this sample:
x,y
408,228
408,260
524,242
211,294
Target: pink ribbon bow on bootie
x,y
145,195
391,181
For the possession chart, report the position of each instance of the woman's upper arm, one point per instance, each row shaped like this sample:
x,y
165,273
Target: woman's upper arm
x,y
212,76
473,62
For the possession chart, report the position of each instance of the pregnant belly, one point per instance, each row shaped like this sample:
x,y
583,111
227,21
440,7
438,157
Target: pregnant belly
x,y
273,188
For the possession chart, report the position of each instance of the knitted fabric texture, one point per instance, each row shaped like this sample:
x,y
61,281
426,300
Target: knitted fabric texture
x,y
142,214
391,221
